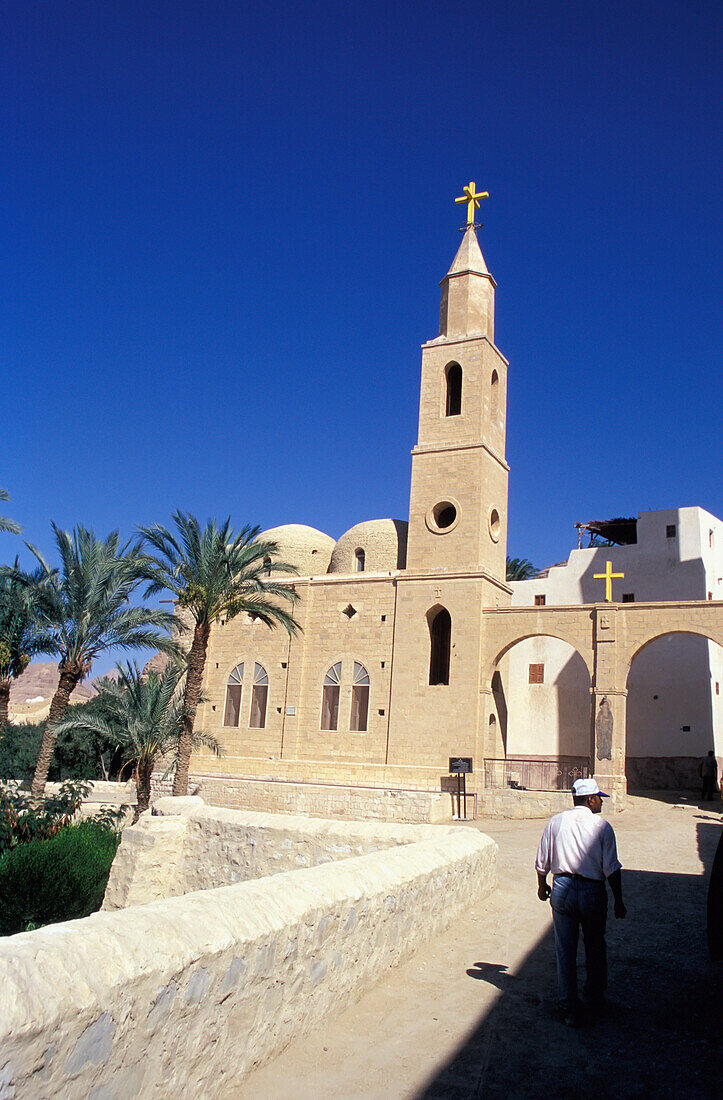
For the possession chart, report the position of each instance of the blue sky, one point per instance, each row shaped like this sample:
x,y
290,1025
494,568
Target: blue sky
x,y
225,225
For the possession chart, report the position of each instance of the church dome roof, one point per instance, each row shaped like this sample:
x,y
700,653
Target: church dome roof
x,y
383,543
305,547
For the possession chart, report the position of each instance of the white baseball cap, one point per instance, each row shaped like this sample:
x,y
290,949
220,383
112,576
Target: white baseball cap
x,y
583,787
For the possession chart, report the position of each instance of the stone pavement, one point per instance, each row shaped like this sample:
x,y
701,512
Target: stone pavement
x,y
471,1014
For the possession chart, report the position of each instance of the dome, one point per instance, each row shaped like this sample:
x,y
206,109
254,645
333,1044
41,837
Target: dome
x,y
305,547
383,543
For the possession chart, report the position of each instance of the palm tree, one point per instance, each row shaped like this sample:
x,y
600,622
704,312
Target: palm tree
x,y
520,569
213,574
144,715
19,640
5,523
84,611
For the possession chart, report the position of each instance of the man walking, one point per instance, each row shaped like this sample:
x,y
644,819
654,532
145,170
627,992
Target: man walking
x,y
578,847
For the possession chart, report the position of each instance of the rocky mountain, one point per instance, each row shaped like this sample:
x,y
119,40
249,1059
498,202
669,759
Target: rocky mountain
x,y
39,681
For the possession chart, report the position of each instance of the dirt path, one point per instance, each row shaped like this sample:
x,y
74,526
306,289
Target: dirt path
x,y
471,1014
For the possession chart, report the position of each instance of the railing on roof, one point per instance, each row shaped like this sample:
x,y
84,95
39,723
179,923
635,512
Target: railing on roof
x,y
536,773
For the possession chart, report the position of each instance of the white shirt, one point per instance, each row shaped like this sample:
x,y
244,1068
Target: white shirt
x,y
578,842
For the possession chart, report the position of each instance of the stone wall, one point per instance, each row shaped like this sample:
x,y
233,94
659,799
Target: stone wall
x,y
663,773
326,800
186,846
186,995
506,802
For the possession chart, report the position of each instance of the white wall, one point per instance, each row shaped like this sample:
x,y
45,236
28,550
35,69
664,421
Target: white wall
x,y
681,670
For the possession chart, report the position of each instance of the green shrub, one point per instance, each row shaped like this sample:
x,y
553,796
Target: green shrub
x,y
21,822
46,881
77,755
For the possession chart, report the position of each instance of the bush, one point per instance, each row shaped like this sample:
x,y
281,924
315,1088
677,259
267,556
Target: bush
x,y
21,822
63,878
76,755
19,748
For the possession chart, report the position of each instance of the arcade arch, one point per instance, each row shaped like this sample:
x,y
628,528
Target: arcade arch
x,y
674,711
540,699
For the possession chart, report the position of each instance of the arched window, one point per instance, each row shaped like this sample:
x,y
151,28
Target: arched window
x,y
440,633
360,559
234,688
330,698
267,566
494,394
359,699
259,696
453,404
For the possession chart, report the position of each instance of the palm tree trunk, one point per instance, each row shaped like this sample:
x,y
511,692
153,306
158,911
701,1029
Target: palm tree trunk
x,y
144,771
68,680
194,682
4,702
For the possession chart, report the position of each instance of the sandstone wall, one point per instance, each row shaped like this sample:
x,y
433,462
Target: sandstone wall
x,y
185,996
187,846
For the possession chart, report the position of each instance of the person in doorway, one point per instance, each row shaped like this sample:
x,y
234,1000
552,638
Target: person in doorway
x,y
708,772
579,848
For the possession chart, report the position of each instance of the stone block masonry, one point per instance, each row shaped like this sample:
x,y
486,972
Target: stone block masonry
x,y
186,846
185,995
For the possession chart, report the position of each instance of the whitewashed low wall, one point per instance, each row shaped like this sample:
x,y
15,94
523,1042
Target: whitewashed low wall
x,y
184,996
186,846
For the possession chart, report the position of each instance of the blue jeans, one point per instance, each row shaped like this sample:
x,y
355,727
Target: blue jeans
x,y
579,903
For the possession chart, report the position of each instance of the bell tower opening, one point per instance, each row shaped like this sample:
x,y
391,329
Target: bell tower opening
x,y
453,378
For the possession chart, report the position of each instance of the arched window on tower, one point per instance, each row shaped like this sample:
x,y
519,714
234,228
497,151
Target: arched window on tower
x,y
440,635
259,697
453,403
360,560
234,689
330,698
359,699
494,394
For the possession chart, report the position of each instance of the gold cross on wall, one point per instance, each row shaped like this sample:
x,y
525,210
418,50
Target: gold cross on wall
x,y
471,197
608,576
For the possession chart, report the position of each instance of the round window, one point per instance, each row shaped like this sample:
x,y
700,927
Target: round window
x,y
495,524
443,516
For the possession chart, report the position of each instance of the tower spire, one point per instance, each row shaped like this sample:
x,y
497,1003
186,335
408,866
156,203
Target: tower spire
x,y
468,290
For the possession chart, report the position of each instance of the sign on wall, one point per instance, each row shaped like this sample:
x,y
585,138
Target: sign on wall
x,y
459,765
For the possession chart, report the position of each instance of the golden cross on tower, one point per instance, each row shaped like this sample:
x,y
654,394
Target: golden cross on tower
x,y
471,197
608,577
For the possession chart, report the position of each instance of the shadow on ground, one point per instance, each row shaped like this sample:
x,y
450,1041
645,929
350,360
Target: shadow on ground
x,y
661,1036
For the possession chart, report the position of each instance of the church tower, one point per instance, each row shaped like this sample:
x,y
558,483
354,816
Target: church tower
x,y
458,499
457,525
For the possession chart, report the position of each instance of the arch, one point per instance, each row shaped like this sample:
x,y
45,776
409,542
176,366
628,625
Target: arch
x,y
541,693
267,566
440,644
494,395
524,636
330,698
359,717
234,691
360,559
671,682
453,389
691,628
259,698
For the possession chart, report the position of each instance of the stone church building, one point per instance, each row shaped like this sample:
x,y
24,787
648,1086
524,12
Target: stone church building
x,y
412,643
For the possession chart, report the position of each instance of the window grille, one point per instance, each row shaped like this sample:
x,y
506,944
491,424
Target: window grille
x,y
234,690
259,698
330,698
359,699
